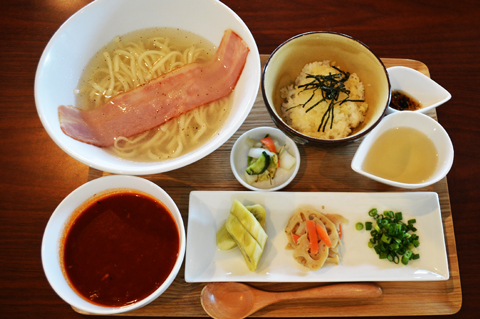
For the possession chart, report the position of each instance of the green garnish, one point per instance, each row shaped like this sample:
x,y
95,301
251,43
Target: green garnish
x,y
359,226
259,166
368,225
391,238
331,86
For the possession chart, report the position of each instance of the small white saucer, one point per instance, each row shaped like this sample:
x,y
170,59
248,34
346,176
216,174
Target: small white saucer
x,y
425,124
419,86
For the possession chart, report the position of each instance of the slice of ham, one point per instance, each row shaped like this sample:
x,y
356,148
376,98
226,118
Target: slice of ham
x,y
160,100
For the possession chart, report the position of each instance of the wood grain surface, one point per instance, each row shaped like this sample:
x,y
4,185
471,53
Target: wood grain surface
x,y
35,174
330,170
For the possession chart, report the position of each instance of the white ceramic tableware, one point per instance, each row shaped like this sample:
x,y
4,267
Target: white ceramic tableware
x,y
95,25
55,229
425,124
239,157
208,211
419,86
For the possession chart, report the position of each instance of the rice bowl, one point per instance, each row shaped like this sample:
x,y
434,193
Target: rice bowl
x,y
287,61
305,108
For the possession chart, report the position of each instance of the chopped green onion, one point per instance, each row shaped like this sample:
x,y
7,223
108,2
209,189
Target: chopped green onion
x,y
391,238
393,258
394,246
386,239
406,257
372,212
368,226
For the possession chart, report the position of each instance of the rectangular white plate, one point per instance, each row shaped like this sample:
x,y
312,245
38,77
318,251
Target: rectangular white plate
x,y
209,210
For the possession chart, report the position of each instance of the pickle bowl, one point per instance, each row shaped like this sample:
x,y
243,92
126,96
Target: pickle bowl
x,y
67,214
418,86
425,124
240,153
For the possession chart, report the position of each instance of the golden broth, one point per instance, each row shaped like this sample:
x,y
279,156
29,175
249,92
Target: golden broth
x,y
402,154
154,51
178,40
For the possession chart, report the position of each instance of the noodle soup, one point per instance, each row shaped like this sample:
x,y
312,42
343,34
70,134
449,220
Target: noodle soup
x,y
136,58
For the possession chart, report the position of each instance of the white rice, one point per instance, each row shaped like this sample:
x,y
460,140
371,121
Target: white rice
x,y
347,116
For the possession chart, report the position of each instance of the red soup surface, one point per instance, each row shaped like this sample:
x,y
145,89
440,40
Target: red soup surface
x,y
120,248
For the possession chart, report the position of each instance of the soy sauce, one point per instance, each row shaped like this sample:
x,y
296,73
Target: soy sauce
x,y
403,102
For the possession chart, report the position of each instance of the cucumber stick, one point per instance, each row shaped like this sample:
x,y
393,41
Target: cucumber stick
x,y
259,212
249,247
249,222
223,238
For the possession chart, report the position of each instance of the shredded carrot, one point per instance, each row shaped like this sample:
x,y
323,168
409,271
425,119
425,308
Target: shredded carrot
x,y
268,142
323,235
295,238
340,231
312,236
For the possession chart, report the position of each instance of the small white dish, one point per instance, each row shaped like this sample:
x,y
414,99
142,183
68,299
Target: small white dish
x,y
239,157
425,124
419,86
208,211
52,238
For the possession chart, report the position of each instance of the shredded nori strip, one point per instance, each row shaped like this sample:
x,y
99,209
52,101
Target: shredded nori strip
x,y
331,86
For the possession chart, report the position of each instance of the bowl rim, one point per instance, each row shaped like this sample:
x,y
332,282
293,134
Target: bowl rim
x,y
419,74
293,146
129,167
278,119
83,194
357,160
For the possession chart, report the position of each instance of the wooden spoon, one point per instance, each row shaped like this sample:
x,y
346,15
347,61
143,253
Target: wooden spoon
x,y
231,300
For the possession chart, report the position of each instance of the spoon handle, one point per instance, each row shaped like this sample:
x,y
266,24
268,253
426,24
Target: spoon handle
x,y
334,291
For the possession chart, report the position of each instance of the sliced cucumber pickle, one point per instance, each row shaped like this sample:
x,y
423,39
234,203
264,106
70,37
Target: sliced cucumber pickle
x,y
247,244
223,237
260,165
259,212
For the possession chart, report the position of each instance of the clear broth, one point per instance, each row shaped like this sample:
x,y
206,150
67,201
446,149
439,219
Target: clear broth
x,y
180,40
402,154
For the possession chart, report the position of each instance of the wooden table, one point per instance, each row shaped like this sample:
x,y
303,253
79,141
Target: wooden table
x,y
36,175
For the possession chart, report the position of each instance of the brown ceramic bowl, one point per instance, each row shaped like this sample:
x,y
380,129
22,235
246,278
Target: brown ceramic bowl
x,y
287,61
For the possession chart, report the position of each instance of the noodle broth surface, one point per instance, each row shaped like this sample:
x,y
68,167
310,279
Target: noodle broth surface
x,y
136,58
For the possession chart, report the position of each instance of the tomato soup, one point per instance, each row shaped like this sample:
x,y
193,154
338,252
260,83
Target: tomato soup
x,y
120,248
